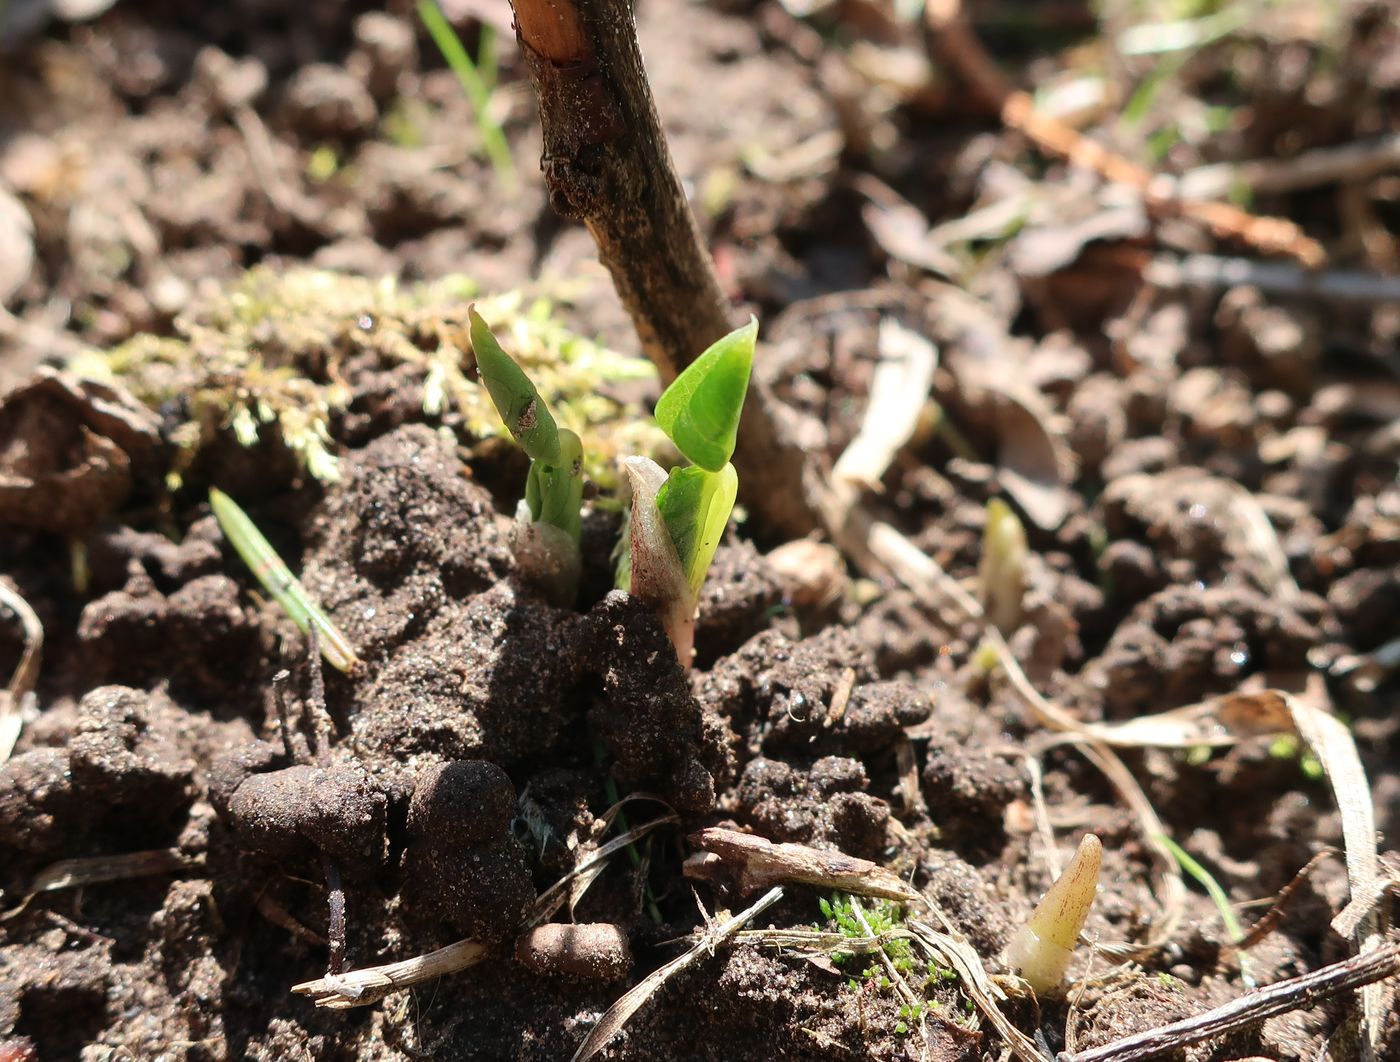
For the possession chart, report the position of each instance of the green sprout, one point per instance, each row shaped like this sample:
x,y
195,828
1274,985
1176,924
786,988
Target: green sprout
x,y
547,532
478,81
677,520
1003,568
277,579
1206,880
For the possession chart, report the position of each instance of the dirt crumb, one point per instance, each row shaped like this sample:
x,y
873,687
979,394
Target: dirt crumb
x,y
488,679
462,865
407,534
647,718
288,813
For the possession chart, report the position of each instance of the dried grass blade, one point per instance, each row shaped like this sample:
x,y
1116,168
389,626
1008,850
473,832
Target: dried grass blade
x,y
1034,463
93,870
20,691
958,955
617,1016
549,901
359,988
1333,745
898,391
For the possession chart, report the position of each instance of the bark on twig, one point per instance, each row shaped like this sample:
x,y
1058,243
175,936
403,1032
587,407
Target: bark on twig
x,y
607,164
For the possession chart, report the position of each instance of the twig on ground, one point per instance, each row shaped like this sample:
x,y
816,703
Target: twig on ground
x,y
16,697
335,922
279,916
1211,272
1251,1008
1330,165
1274,915
321,728
359,988
761,863
958,46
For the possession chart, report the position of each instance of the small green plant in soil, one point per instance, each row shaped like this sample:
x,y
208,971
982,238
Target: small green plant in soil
x,y
1003,567
1206,880
882,919
548,517
677,519
277,579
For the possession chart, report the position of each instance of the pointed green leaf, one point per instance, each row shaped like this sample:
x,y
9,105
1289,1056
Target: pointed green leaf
x,y
277,579
515,397
700,410
696,505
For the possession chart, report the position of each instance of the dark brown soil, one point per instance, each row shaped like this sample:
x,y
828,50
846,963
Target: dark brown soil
x,y
467,764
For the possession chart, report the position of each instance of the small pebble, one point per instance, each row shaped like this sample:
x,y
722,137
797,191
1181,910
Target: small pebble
x,y
596,952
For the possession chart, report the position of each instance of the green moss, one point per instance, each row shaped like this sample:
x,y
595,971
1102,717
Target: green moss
x,y
275,352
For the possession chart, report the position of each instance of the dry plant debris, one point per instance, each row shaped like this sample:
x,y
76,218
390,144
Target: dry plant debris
x,y
18,696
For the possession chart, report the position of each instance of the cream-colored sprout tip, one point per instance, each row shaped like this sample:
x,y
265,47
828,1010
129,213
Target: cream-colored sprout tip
x,y
1040,950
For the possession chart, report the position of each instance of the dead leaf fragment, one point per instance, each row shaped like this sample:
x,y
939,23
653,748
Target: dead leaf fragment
x,y
897,395
70,450
16,245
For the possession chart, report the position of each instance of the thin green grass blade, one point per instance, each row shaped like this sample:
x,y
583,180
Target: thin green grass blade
x,y
1217,895
277,579
477,88
700,410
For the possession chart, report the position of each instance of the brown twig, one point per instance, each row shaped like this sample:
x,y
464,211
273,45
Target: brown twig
x,y
1274,915
1342,164
956,44
335,887
607,164
1249,1009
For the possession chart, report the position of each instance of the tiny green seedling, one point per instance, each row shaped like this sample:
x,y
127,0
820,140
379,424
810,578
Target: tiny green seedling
x,y
478,81
678,519
277,579
548,517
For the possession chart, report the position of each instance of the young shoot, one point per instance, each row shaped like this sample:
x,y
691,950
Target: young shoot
x,y
1040,950
679,518
1003,568
277,579
547,525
